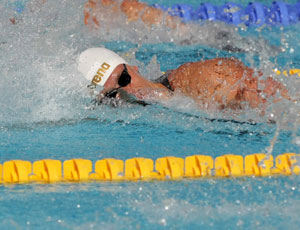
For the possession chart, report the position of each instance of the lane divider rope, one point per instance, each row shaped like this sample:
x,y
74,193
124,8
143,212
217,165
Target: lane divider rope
x,y
144,169
286,73
253,14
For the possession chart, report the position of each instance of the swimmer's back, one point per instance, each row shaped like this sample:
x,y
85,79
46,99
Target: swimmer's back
x,y
216,79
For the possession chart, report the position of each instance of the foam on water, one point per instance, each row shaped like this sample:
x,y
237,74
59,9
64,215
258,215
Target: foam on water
x,y
38,74
247,204
40,82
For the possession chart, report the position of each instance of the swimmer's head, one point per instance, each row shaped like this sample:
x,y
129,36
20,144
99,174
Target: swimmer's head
x,y
97,64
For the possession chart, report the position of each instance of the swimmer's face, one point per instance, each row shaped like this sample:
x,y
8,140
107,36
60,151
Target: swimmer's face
x,y
112,81
139,87
122,77
119,77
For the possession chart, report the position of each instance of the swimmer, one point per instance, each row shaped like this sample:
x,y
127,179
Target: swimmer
x,y
97,15
219,83
133,9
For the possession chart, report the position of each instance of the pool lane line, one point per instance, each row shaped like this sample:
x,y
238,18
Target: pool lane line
x,y
287,73
144,169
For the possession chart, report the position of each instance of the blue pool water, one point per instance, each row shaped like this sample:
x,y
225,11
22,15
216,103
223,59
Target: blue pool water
x,y
43,100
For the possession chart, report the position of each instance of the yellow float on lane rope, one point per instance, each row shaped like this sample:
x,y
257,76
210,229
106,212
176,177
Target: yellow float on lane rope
x,y
77,169
198,165
47,171
108,169
16,171
166,168
288,72
229,165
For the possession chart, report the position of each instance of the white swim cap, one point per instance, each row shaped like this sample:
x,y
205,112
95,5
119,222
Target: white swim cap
x,y
96,64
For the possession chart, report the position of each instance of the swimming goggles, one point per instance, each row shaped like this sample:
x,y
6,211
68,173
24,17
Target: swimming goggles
x,y
123,81
125,78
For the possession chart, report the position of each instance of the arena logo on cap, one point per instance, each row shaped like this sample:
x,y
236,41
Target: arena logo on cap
x,y
100,73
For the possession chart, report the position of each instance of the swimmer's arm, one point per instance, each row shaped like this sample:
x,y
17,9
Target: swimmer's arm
x,y
91,9
135,10
271,89
157,94
144,96
275,89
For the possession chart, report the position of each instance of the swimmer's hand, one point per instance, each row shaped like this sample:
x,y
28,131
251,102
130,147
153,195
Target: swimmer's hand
x,y
109,98
105,101
116,98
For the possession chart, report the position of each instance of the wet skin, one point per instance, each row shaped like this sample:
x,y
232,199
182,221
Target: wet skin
x,y
217,83
220,83
134,11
